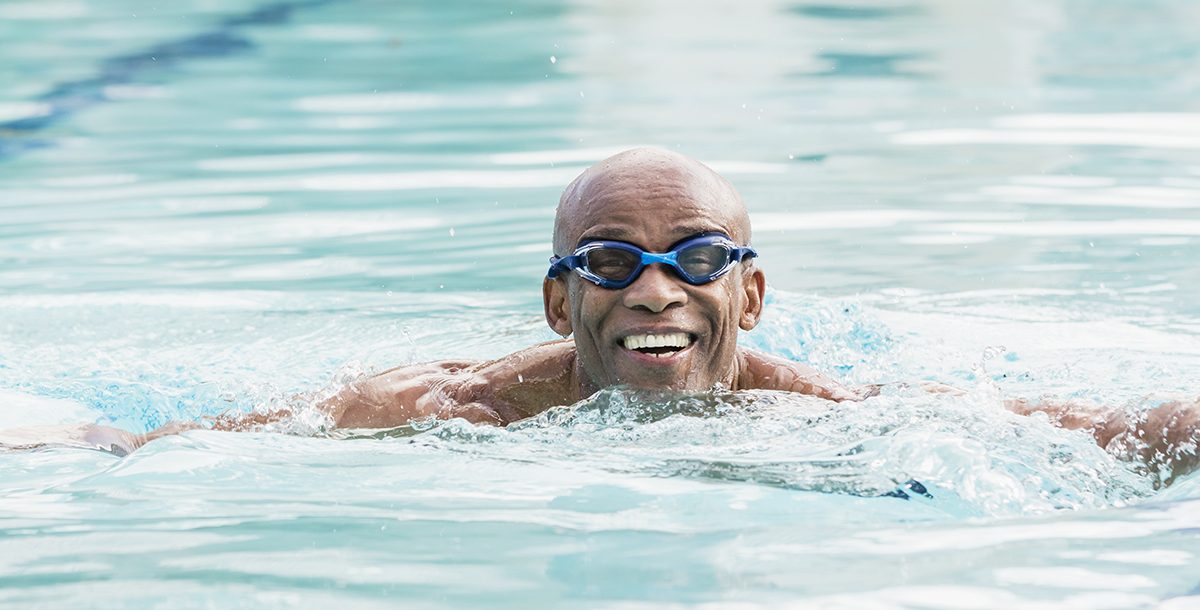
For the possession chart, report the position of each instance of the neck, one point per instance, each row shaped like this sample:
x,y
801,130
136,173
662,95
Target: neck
x,y
579,379
737,377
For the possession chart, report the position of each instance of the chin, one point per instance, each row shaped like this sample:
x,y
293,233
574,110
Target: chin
x,y
676,382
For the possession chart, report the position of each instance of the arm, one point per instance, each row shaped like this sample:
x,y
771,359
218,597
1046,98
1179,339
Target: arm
x,y
389,399
496,392
1164,438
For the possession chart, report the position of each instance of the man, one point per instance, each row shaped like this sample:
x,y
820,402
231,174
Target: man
x,y
670,325
653,275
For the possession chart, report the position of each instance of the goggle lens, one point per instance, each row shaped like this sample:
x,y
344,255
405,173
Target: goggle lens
x,y
612,263
700,261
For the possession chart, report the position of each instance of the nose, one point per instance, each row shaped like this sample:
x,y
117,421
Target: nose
x,y
655,290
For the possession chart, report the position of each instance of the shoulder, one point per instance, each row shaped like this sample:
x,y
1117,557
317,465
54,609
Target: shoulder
x,y
529,381
512,387
759,371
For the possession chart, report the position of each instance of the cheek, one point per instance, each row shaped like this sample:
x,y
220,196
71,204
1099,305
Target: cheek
x,y
587,309
725,304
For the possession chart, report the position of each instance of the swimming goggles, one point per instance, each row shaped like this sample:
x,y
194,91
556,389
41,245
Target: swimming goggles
x,y
615,264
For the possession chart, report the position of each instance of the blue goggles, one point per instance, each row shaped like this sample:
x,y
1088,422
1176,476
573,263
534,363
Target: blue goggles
x,y
616,264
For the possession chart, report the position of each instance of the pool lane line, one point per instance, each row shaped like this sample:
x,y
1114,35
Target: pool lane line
x,y
67,98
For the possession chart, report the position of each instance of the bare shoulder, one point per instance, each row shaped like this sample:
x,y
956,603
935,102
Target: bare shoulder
x,y
496,391
761,371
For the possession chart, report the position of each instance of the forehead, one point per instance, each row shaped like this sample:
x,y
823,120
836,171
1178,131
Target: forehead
x,y
653,210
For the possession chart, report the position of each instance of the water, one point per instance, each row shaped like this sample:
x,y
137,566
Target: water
x,y
210,205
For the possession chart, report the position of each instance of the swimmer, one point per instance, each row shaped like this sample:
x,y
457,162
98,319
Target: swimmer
x,y
653,275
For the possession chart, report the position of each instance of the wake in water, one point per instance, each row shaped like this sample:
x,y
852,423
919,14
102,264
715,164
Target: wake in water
x,y
967,451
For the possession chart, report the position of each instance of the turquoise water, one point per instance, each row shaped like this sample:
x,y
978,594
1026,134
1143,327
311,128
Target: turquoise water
x,y
212,205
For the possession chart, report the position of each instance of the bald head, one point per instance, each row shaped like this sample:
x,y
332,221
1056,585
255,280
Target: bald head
x,y
641,182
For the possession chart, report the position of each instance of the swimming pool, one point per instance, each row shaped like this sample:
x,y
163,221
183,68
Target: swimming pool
x,y
212,205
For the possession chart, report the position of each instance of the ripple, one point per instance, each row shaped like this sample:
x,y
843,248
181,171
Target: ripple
x,y
38,11
395,101
1081,228
15,111
1151,197
1163,130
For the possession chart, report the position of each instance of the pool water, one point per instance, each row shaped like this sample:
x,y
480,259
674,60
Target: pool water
x,y
211,205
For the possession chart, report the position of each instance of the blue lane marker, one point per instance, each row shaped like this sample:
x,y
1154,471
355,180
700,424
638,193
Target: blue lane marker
x,y
69,97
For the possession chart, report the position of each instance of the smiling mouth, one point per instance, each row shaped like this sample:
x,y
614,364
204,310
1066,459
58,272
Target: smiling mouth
x,y
659,346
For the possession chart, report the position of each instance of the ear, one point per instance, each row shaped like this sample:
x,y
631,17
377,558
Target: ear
x,y
557,305
754,290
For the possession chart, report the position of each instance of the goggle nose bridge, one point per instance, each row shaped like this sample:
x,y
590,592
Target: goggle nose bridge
x,y
669,259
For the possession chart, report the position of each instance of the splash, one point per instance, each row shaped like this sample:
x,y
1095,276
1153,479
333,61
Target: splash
x,y
968,453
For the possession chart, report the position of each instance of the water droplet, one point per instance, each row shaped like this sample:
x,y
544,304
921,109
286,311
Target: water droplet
x,y
553,59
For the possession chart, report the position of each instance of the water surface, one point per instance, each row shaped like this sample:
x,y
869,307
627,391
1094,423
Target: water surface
x,y
211,205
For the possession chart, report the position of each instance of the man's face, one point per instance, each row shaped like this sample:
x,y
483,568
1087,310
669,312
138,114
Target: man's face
x,y
654,211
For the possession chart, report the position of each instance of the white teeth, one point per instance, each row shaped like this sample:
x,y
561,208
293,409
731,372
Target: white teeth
x,y
680,340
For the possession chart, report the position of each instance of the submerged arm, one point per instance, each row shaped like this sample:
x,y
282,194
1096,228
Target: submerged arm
x,y
1165,438
389,399
497,392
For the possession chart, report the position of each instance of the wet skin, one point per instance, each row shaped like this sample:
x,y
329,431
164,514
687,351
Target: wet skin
x,y
652,199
